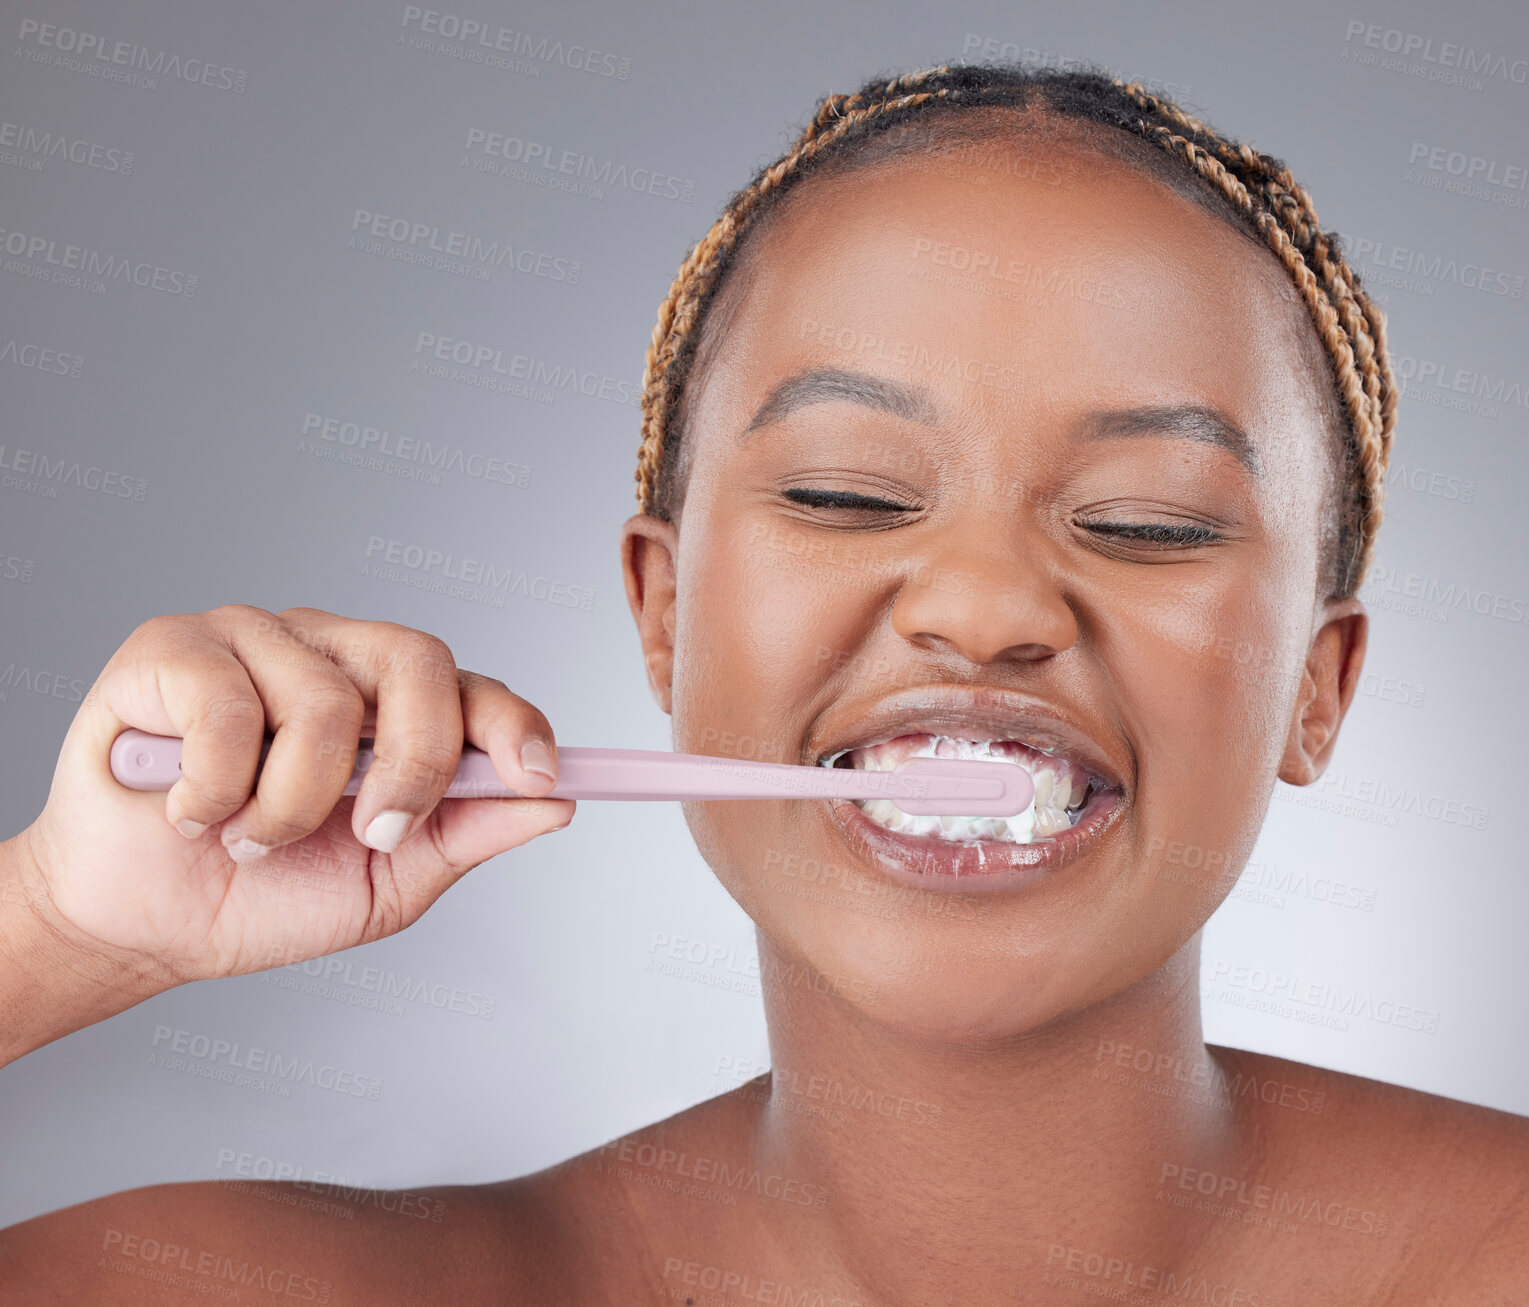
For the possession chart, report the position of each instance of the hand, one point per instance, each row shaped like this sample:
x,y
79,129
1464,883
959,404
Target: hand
x,y
219,876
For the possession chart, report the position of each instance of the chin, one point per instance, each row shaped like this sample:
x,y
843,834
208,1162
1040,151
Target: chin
x,y
928,969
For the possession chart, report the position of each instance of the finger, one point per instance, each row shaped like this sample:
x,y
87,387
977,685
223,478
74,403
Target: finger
x,y
314,711
411,679
458,836
171,678
474,830
514,733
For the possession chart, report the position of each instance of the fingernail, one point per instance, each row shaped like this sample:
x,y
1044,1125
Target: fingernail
x,y
385,831
536,756
246,850
191,829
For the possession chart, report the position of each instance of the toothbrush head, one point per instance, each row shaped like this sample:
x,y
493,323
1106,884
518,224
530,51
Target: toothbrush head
x,y
966,787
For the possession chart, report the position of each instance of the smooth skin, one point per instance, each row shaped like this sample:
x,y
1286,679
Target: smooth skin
x,y
949,1124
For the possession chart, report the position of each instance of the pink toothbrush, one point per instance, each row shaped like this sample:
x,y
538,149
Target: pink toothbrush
x,y
921,787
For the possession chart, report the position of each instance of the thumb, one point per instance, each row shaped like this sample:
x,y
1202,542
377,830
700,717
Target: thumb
x,y
462,833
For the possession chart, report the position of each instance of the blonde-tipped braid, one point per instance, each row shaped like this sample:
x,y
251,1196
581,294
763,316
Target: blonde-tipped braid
x,y
1259,186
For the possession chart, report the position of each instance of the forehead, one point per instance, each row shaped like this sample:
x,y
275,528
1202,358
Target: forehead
x,y
1045,261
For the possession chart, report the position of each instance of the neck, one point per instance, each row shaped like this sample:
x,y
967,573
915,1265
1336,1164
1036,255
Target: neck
x,y
969,1173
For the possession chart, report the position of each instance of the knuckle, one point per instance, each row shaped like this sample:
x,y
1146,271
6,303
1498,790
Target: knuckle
x,y
420,655
242,613
424,764
305,625
330,717
329,699
287,822
528,719
220,793
163,629
231,715
303,614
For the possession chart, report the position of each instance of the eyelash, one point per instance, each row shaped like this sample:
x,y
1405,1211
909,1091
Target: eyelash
x,y
1161,534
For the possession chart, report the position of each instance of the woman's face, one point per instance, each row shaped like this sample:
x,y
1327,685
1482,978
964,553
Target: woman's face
x,y
1024,328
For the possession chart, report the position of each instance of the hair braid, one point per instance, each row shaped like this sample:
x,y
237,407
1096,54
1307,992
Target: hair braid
x,y
1273,206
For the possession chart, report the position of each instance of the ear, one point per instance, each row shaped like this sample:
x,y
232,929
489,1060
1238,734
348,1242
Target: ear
x,y
649,550
1328,682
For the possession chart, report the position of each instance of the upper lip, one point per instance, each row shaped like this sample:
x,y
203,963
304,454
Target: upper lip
x,y
974,712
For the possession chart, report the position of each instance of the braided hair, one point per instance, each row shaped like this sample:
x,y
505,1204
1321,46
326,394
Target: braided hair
x,y
1251,190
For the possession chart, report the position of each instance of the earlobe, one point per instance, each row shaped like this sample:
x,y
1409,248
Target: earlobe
x,y
649,550
1328,681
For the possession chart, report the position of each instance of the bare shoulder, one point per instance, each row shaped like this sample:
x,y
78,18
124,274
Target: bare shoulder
x,y
628,1216
208,1240
1448,1181
581,1232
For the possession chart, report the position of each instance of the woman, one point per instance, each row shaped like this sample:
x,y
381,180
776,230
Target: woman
x,y
1012,411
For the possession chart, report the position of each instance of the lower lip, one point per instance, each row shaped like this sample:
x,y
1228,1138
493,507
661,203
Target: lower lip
x,y
982,866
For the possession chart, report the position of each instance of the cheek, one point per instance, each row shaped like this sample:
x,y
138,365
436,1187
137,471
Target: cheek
x,y
1210,677
765,622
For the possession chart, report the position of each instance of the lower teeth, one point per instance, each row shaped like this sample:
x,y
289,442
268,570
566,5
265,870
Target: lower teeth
x,y
1023,828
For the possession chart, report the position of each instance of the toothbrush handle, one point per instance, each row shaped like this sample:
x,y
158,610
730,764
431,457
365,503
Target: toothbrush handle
x,y
141,761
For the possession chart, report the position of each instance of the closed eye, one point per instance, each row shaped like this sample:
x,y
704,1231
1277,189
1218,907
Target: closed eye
x,y
1161,534
811,497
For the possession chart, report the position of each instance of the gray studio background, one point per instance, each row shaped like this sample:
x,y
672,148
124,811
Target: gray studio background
x,y
543,1012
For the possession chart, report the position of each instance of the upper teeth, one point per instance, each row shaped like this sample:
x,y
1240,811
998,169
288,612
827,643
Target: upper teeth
x,y
1061,788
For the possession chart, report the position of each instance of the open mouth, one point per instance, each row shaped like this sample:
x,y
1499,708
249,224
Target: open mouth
x,y
1063,788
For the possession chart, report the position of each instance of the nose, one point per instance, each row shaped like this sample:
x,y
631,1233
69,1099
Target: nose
x,y
985,604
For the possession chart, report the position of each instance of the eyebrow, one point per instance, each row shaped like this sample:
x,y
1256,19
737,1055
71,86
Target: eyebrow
x,y
1195,421
910,401
915,403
